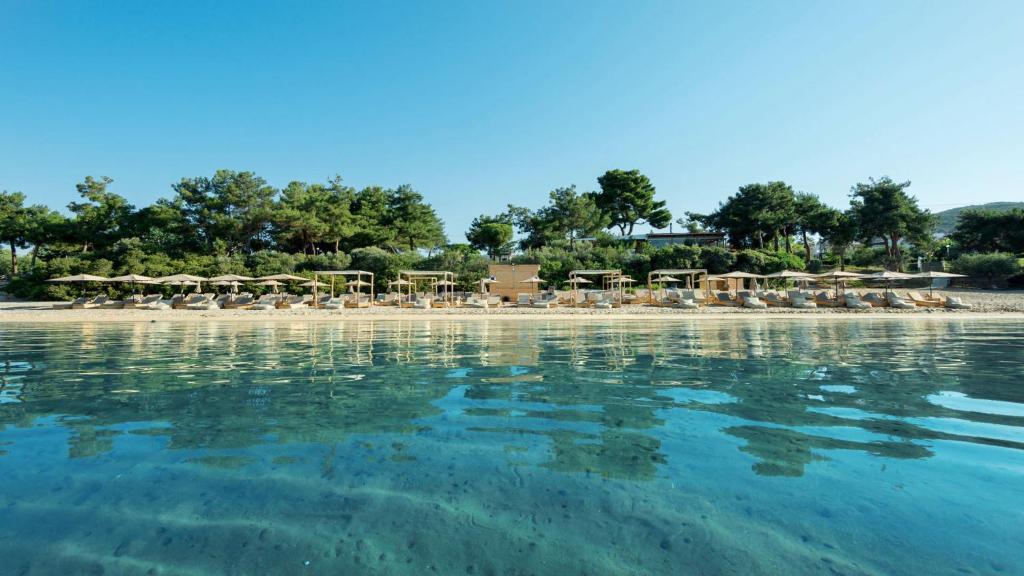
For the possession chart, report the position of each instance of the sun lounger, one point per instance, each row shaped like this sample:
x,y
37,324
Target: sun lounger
x,y
242,301
875,299
87,304
799,301
422,303
774,299
750,300
896,302
854,302
926,302
475,302
724,299
333,303
957,303
358,302
823,299
548,301
79,302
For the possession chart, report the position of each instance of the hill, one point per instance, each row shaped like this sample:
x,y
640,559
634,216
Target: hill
x,y
947,218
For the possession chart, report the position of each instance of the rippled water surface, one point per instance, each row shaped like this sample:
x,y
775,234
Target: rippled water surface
x,y
513,447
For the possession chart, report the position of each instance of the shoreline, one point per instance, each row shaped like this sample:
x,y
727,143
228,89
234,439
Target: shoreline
x,y
41,313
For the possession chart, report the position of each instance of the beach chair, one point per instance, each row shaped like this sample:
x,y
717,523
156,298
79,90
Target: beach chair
x,y
854,302
203,302
358,302
546,301
750,300
423,303
141,302
899,303
95,302
875,299
523,300
776,300
919,300
686,300
475,302
724,299
69,305
288,302
957,303
240,302
822,299
799,301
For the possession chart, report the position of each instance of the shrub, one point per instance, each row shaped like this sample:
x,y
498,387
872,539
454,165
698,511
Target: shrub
x,y
717,260
993,267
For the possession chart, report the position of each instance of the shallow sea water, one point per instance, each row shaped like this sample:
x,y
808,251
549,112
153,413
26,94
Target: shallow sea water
x,y
798,446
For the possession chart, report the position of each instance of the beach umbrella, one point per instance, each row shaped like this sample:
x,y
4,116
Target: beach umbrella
x,y
740,275
795,275
311,284
839,277
532,280
581,280
180,280
132,279
932,275
283,278
272,283
234,284
666,279
230,278
888,276
79,279
399,282
357,283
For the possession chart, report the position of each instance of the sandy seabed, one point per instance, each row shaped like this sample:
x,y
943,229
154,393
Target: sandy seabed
x,y
1002,305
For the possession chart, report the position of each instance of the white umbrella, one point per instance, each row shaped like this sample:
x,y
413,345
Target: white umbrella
x,y
311,284
888,276
840,276
283,278
234,284
666,279
359,283
581,280
531,280
399,282
230,278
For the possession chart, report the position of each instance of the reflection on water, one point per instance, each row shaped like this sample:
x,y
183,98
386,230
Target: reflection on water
x,y
513,447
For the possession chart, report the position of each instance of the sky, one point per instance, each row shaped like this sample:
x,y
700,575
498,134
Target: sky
x,y
482,104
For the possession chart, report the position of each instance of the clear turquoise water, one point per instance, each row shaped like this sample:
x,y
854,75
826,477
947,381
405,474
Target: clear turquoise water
x,y
490,447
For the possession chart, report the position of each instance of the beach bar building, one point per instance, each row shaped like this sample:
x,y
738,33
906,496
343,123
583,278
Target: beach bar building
x,y
507,280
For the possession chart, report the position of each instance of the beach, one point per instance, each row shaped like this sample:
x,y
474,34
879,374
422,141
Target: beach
x,y
1005,305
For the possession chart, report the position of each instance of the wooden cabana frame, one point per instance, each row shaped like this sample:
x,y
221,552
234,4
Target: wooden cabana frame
x,y
359,274
608,278
695,277
432,276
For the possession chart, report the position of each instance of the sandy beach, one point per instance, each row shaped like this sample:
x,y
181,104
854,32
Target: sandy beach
x,y
987,304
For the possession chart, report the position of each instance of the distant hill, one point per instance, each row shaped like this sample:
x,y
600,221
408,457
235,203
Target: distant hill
x,y
947,218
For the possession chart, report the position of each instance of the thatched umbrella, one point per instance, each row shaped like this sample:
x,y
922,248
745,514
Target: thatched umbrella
x,y
272,283
78,279
181,280
888,276
132,279
932,275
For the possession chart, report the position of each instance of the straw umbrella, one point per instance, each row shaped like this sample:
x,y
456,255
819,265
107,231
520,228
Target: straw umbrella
x,y
888,276
234,284
132,279
794,275
932,275
534,280
79,279
283,278
487,282
740,275
180,280
272,283
840,277
231,278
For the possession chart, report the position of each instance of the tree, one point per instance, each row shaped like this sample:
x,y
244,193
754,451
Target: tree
x,y
755,213
883,210
990,231
233,209
414,222
840,230
299,215
569,215
99,220
811,216
992,267
492,234
14,224
628,198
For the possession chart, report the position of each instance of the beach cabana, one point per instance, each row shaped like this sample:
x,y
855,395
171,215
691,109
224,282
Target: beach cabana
x,y
692,275
608,277
433,277
361,277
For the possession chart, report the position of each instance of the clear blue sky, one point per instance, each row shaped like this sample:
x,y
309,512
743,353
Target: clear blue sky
x,y
478,104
